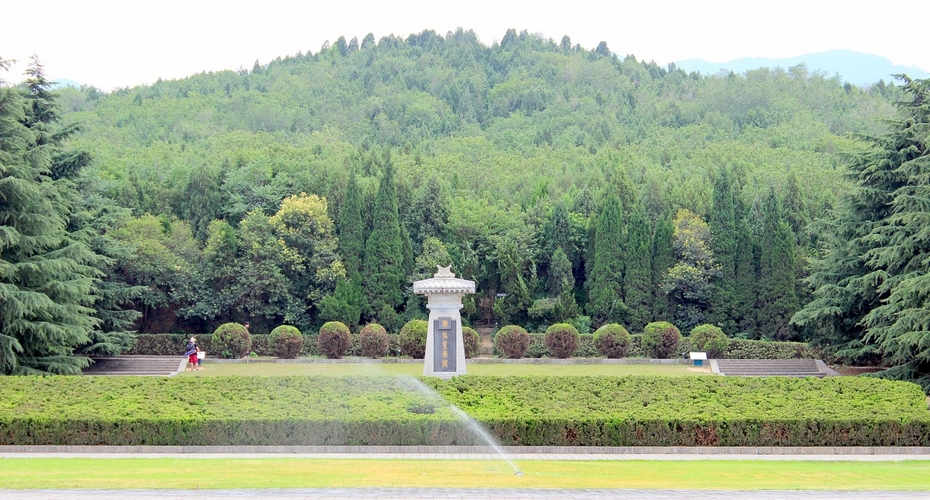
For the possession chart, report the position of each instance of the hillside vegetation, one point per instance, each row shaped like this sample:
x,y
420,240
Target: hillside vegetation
x,y
572,185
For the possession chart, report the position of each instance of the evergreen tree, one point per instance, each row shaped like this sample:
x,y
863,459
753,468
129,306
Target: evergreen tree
x,y
384,251
605,281
777,300
637,281
870,286
722,221
351,230
561,279
46,273
663,258
745,275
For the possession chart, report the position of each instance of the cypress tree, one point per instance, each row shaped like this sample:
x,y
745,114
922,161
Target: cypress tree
x,y
745,275
637,280
605,282
663,258
777,300
723,230
351,230
384,251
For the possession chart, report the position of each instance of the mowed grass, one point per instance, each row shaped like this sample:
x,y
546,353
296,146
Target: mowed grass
x,y
244,473
496,369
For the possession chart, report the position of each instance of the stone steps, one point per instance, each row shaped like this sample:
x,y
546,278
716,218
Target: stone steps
x,y
137,365
772,367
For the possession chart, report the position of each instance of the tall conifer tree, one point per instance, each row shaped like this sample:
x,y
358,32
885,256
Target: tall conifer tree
x,y
663,258
637,280
722,221
605,295
384,251
777,300
46,273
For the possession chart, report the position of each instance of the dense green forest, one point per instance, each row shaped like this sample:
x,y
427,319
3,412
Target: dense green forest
x,y
570,184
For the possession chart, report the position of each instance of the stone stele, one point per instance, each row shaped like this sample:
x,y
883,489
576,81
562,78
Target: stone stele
x,y
445,346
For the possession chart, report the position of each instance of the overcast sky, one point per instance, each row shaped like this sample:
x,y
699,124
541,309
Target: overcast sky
x,y
113,44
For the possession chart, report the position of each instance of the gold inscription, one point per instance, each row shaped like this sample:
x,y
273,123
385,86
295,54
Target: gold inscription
x,y
445,363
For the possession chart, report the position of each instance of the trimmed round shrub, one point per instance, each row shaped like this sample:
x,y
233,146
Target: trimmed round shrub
x,y
413,338
562,339
472,341
286,341
231,340
373,340
709,339
661,340
612,340
512,341
334,339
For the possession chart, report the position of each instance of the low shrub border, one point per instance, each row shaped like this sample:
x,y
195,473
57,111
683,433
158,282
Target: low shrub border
x,y
172,344
527,411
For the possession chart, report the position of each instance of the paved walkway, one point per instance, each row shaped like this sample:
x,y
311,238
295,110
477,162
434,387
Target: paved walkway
x,y
450,493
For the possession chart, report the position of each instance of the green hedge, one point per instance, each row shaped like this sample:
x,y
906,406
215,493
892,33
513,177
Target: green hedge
x,y
172,344
737,349
541,411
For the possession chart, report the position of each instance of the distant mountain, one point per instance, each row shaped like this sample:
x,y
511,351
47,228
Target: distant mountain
x,y
853,67
64,82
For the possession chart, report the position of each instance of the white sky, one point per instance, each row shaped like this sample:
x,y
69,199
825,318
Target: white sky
x,y
113,44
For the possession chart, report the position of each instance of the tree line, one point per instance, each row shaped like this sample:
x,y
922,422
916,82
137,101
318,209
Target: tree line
x,y
571,185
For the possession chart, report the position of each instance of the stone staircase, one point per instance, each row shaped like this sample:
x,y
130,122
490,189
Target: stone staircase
x,y
163,366
772,367
486,347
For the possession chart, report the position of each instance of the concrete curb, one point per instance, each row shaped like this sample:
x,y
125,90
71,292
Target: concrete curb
x,y
472,450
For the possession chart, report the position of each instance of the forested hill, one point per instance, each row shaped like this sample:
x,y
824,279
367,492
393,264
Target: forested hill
x,y
485,142
570,184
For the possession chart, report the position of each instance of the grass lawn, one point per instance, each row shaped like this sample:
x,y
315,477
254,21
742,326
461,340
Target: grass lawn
x,y
181,473
498,369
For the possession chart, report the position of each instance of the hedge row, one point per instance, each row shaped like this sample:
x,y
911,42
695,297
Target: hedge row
x,y
170,344
737,349
541,411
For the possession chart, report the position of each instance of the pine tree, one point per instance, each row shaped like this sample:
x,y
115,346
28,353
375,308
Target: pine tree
x,y
637,281
777,301
605,281
384,276
46,273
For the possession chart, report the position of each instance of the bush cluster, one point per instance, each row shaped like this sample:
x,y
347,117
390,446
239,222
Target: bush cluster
x,y
709,339
231,340
512,341
562,339
334,339
472,341
286,341
661,340
413,338
373,340
612,340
